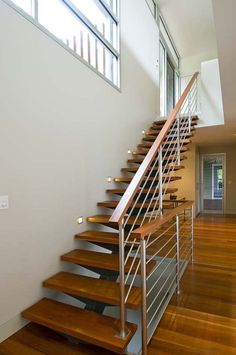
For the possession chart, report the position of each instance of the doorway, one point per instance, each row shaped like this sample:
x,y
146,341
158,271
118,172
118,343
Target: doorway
x,y
213,183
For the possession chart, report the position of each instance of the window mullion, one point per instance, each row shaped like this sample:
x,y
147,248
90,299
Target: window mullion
x,y
91,27
109,11
36,10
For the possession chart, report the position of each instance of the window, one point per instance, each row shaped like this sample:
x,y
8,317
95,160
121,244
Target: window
x,y
162,64
26,5
88,28
153,7
168,64
169,74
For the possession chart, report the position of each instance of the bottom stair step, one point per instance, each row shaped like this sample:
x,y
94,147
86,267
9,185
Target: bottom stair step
x,y
85,325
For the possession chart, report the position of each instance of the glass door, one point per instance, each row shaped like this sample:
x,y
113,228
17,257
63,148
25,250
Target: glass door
x,y
212,182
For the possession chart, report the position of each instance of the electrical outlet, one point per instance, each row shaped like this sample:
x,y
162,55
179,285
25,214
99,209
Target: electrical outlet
x,y
4,203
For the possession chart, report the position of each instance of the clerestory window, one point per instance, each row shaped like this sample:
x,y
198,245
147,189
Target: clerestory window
x,y
88,28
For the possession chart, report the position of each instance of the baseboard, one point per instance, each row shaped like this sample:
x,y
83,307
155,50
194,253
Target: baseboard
x,y
11,326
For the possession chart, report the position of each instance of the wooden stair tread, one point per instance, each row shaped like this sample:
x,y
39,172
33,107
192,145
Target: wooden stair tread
x,y
140,160
156,131
100,260
149,144
104,219
162,122
183,119
122,191
129,179
154,126
104,291
113,204
99,236
133,169
145,151
152,138
159,127
82,324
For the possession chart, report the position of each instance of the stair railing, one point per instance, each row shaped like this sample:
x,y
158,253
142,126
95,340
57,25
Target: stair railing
x,y
168,241
142,202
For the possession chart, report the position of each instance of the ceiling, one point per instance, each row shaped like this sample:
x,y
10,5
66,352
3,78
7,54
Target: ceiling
x,y
191,24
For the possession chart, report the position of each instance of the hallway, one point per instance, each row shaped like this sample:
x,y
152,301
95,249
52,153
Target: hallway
x,y
202,320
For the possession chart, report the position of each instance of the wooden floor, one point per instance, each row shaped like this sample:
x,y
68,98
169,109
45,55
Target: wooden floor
x,y
202,320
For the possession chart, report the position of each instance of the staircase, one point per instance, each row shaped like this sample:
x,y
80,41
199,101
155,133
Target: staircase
x,y
142,222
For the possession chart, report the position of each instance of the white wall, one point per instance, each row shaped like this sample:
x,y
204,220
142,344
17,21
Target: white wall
x,y
63,131
211,96
210,104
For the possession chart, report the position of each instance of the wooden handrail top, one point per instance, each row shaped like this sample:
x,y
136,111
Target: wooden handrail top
x,y
151,227
129,194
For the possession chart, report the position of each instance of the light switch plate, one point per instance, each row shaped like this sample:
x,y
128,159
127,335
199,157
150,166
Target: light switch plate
x,y
4,202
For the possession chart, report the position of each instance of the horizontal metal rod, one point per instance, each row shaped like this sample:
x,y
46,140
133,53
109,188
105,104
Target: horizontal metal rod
x,y
161,235
156,253
109,11
132,282
182,258
132,264
183,245
170,274
185,252
153,286
174,280
160,263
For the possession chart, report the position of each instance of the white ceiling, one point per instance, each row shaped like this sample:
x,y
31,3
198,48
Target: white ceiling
x,y
191,24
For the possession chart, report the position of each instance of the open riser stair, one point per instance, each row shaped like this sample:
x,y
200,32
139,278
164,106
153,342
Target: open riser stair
x,y
142,261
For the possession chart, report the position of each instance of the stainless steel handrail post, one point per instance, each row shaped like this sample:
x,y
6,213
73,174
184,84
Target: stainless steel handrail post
x,y
122,279
160,165
144,296
178,140
192,235
177,257
189,111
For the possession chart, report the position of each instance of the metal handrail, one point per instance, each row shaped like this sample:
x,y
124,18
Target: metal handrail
x,y
142,203
166,275
129,194
150,227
